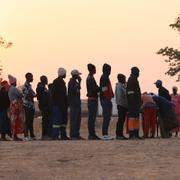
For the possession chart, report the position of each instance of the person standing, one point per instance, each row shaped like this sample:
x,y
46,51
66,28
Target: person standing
x,y
16,109
122,105
162,91
106,95
175,98
28,99
134,103
92,94
74,87
43,97
60,106
4,106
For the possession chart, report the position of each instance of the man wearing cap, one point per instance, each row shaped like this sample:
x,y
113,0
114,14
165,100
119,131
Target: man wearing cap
x,y
60,105
92,94
74,100
106,95
162,91
134,103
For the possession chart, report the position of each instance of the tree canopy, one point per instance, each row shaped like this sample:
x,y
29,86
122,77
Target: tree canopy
x,y
173,55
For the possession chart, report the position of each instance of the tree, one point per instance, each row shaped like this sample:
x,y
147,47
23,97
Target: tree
x,y
172,54
4,44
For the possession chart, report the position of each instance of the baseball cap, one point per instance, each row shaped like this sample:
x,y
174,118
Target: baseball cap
x,y
158,82
75,72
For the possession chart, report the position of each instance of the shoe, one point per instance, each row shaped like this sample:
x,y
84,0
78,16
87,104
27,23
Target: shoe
x,y
65,138
121,138
95,137
25,139
107,137
32,138
17,139
77,138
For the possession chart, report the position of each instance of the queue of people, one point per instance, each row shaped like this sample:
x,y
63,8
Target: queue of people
x,y
17,107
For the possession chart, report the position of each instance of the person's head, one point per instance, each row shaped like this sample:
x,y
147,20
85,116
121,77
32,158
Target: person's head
x,y
61,72
12,80
106,69
75,73
158,83
174,89
29,77
135,71
91,68
121,78
5,85
44,80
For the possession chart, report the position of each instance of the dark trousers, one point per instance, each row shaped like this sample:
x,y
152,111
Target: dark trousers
x,y
107,111
29,118
46,125
122,111
92,110
59,122
75,121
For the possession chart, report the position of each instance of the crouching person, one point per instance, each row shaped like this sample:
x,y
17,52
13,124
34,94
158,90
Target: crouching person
x,y
167,116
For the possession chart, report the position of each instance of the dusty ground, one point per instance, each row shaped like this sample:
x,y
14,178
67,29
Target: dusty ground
x,y
121,160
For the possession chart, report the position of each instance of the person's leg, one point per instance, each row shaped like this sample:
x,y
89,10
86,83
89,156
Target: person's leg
x,y
153,121
79,120
146,121
92,112
121,119
107,109
63,125
45,122
56,122
74,122
26,122
31,121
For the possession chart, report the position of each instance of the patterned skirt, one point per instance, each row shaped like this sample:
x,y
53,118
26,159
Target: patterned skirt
x,y
17,116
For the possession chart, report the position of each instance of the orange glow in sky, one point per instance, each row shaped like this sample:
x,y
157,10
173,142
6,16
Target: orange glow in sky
x,y
48,34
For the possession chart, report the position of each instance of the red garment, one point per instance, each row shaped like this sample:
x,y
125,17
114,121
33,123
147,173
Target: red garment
x,y
17,116
149,121
176,101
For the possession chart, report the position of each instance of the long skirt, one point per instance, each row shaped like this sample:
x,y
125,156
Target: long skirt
x,y
17,117
176,101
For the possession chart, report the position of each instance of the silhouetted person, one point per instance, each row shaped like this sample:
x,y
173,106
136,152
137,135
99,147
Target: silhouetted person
x,y
122,105
43,97
92,94
162,91
106,95
60,105
29,107
134,103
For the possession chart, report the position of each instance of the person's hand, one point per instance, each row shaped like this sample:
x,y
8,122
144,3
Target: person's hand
x,y
79,79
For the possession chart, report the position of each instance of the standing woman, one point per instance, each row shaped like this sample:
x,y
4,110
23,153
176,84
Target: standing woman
x,y
4,106
175,98
16,109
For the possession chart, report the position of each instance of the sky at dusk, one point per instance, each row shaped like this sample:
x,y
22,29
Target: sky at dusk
x,y
48,34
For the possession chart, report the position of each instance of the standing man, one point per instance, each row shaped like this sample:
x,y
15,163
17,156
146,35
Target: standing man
x,y
162,91
134,103
92,94
60,105
74,87
29,107
122,105
43,97
106,94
